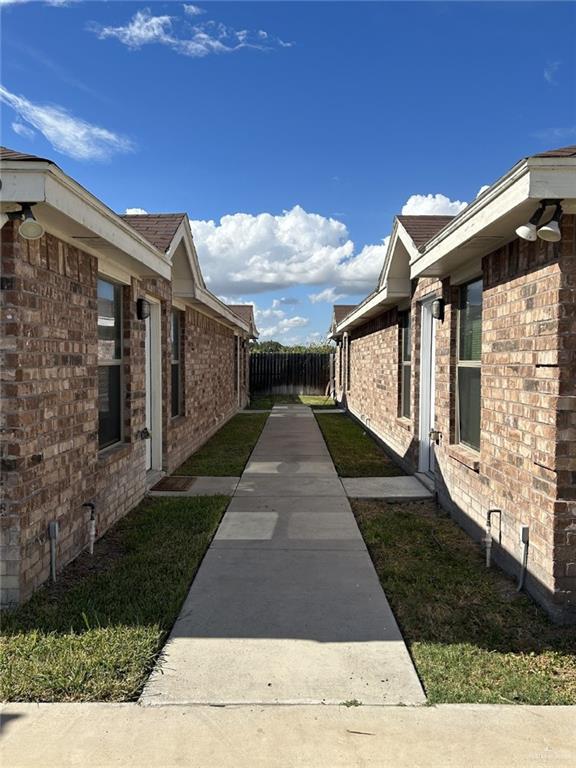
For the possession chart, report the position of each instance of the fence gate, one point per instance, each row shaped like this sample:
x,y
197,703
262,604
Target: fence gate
x,y
286,373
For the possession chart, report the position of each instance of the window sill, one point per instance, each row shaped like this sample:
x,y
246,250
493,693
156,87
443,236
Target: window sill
x,y
405,423
176,421
114,453
466,456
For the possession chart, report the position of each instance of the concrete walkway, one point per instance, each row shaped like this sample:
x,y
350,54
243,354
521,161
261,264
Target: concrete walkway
x,y
286,607
129,736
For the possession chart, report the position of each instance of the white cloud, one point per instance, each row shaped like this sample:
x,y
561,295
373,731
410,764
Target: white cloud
x,y
328,295
433,205
196,40
556,134
285,300
254,253
22,130
280,330
53,3
67,134
193,10
482,189
550,72
135,212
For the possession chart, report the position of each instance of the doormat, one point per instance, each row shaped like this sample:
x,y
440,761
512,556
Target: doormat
x,y
174,484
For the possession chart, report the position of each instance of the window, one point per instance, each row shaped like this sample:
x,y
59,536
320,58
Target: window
x,y
236,366
340,363
348,365
109,363
176,367
405,363
468,367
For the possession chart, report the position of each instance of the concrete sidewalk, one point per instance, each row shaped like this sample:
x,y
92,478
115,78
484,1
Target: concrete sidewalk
x,y
286,607
130,736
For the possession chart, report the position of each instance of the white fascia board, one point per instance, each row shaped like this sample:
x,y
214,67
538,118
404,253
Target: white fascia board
x,y
205,301
531,179
395,290
184,233
42,182
388,256
407,241
490,207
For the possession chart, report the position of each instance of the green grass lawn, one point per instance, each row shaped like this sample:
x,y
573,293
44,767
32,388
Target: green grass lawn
x,y
266,402
473,638
353,451
95,634
226,453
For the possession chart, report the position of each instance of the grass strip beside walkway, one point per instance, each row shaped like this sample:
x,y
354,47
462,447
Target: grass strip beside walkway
x,y
354,452
95,634
473,638
266,402
226,453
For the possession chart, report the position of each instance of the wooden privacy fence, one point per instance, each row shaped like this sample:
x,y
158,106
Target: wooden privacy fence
x,y
285,373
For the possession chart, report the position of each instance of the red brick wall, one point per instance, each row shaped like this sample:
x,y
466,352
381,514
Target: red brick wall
x,y
51,464
526,466
210,399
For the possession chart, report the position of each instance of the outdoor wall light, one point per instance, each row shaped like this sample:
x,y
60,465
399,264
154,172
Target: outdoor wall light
x,y
549,231
438,309
30,229
142,309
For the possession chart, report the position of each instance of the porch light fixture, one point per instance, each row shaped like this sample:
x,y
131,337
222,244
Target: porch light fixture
x,y
29,229
142,309
549,231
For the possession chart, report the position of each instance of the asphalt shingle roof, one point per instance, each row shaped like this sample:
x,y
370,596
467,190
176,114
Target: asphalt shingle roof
x,y
423,228
158,228
342,310
13,154
561,152
244,311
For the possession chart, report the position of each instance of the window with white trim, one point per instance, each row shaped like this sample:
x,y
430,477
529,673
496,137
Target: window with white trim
x,y
176,366
109,363
405,363
468,369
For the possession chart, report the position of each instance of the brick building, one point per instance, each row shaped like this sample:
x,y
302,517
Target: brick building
x,y
117,363
463,363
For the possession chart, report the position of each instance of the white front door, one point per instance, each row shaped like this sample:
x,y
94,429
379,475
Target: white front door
x,y
148,374
427,399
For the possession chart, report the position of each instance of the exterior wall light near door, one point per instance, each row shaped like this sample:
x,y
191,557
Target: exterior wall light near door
x,y
438,309
549,231
142,309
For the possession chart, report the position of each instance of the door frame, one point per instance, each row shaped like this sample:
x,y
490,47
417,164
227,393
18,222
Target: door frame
x,y
427,408
155,384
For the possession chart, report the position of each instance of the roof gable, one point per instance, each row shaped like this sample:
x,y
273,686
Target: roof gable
x,y
246,313
158,228
423,228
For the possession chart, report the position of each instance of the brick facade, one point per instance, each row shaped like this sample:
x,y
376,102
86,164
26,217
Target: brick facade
x,y
526,466
51,463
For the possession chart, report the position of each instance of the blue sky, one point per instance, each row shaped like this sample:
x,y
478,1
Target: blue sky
x,y
291,133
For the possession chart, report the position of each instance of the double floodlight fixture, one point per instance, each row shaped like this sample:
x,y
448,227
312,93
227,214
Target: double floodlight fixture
x,y
549,231
29,228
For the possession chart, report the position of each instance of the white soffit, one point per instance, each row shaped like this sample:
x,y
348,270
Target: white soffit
x,y
490,221
73,214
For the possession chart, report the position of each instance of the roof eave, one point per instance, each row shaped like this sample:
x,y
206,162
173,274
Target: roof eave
x,y
489,221
383,299
78,217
